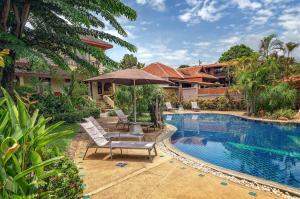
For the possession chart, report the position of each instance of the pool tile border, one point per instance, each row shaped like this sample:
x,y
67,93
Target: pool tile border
x,y
230,175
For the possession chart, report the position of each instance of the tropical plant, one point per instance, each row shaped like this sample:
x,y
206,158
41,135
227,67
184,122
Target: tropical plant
x,y
270,44
68,184
290,47
22,141
236,52
148,96
56,28
130,61
252,75
280,96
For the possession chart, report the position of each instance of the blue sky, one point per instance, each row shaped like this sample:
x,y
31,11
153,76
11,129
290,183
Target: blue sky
x,y
178,32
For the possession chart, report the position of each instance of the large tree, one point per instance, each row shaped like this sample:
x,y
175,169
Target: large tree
x,y
236,52
290,47
130,61
270,44
50,29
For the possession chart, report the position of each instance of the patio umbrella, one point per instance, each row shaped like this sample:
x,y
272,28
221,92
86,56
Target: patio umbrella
x,y
130,77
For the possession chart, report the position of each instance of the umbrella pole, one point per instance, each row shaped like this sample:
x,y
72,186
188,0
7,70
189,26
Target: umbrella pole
x,y
134,100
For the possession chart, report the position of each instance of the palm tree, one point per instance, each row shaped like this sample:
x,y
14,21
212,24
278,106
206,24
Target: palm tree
x,y
270,44
290,47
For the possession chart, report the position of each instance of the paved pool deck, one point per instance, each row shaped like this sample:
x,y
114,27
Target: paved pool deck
x,y
164,178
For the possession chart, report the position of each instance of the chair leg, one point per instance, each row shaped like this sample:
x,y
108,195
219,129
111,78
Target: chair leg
x,y
111,154
87,148
149,153
96,150
155,151
121,152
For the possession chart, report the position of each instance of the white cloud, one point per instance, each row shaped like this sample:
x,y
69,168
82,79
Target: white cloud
x,y
202,44
155,4
290,19
202,10
247,4
261,17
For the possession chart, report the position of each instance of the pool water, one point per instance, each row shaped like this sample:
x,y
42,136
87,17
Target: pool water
x,y
265,150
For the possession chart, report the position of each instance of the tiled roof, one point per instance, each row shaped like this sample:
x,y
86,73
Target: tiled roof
x,y
194,72
163,71
96,42
213,65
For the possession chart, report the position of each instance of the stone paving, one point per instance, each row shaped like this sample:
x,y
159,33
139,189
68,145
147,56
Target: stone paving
x,y
164,178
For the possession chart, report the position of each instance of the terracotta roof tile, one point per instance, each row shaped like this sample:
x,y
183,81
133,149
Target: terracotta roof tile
x,y
194,72
163,71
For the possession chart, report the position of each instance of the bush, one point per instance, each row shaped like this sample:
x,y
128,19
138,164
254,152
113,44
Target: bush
x,y
280,96
76,116
282,114
219,103
68,184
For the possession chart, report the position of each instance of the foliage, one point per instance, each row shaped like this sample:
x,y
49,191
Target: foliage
x,y
283,114
146,99
130,61
252,75
270,44
280,96
222,103
290,47
71,106
236,52
23,139
66,185
260,78
56,28
183,66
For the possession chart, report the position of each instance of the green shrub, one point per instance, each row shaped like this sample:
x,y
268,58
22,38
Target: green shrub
x,y
23,140
219,103
67,185
281,96
76,116
282,114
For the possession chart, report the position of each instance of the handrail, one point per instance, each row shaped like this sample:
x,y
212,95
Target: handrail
x,y
109,101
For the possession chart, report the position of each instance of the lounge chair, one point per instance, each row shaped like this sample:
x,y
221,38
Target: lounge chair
x,y
169,106
114,134
123,119
99,141
195,106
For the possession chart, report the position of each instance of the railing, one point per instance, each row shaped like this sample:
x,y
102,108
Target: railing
x,y
109,101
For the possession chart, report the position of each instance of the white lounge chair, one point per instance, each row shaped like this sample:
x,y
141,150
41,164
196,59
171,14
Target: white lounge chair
x,y
169,106
122,118
110,135
99,141
195,106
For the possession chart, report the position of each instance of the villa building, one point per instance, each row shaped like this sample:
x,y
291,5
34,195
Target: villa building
x,y
55,77
193,82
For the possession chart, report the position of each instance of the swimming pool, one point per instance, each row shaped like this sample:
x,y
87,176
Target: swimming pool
x,y
266,150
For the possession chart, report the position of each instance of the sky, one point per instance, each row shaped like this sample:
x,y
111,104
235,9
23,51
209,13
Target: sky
x,y
176,32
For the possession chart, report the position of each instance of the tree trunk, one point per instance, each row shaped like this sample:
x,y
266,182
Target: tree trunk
x,y
21,19
4,16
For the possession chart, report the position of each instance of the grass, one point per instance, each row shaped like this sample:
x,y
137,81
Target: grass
x,y
63,144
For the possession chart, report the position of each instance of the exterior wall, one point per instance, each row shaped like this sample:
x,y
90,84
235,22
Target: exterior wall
x,y
212,91
95,95
189,93
57,84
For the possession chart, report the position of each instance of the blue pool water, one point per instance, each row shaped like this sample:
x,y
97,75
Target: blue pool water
x,y
265,150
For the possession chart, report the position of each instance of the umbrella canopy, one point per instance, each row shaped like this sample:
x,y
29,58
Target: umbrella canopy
x,y
130,77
